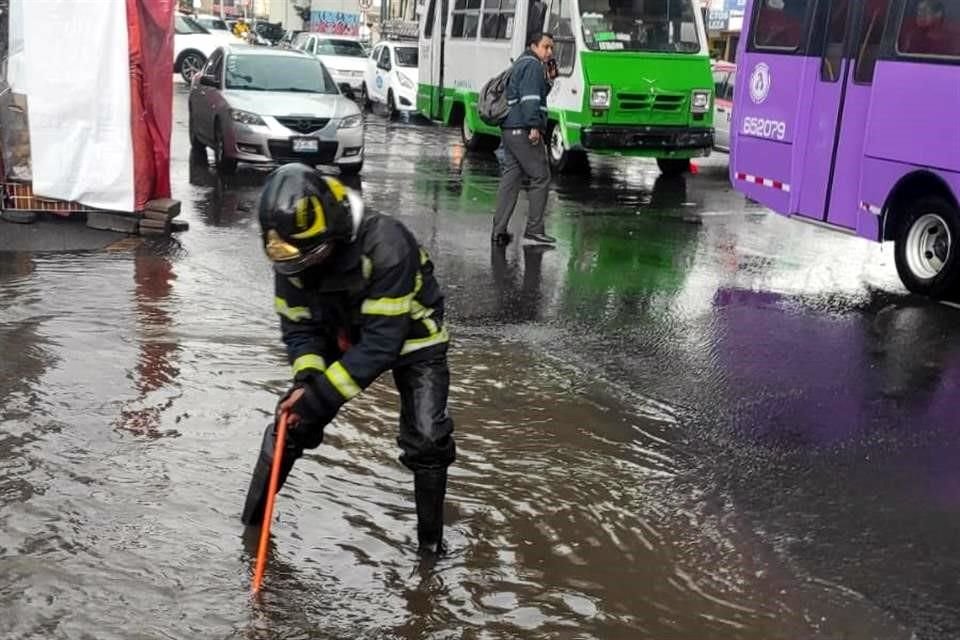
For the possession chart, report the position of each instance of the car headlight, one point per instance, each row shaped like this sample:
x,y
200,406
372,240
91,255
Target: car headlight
x,y
350,122
405,81
700,101
245,117
600,98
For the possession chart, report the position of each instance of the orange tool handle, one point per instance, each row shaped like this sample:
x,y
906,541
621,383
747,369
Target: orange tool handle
x,y
271,496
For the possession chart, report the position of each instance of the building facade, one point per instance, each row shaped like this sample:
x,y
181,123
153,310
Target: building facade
x,y
724,20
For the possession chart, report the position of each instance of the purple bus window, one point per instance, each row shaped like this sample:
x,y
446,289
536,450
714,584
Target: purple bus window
x,y
868,43
779,24
930,28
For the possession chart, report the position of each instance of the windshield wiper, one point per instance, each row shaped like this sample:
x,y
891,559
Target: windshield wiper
x,y
298,90
247,87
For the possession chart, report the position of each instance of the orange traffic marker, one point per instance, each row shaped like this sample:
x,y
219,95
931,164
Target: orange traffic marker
x,y
271,496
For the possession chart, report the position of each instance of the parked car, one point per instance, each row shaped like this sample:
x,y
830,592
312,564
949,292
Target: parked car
x,y
724,76
271,32
271,105
391,76
289,38
212,23
343,57
193,44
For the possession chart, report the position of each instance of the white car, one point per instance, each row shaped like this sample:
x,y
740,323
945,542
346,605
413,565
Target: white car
x,y
216,26
391,76
193,43
724,77
344,58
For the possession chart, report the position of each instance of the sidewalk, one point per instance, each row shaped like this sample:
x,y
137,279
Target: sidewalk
x,y
48,234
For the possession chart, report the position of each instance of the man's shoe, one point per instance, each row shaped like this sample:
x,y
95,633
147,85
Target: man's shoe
x,y
539,238
501,239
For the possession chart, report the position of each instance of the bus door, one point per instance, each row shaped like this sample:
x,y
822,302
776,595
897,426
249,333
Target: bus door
x,y
831,157
843,200
432,43
771,103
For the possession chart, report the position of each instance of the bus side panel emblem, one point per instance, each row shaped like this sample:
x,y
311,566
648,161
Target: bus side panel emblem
x,y
760,83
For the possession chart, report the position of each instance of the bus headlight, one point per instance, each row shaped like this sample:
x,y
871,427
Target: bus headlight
x,y
600,98
700,101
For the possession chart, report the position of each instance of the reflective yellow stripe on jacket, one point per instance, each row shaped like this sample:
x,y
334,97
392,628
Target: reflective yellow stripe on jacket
x,y
392,306
387,306
293,314
422,343
342,381
308,361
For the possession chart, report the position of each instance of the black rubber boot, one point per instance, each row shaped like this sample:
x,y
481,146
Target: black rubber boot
x,y
260,482
430,488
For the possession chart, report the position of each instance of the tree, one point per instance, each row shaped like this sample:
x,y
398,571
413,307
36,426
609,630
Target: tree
x,y
302,11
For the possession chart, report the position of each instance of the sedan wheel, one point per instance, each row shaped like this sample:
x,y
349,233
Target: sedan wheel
x,y
225,164
365,97
351,169
191,65
391,105
196,147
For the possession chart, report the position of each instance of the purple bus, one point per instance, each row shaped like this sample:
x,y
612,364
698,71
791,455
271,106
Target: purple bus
x,y
849,117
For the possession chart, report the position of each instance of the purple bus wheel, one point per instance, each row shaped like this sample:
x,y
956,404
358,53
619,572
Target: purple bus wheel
x,y
927,247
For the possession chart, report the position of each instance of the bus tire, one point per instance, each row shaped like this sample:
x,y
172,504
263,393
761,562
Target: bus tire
x,y
927,246
472,140
673,166
562,159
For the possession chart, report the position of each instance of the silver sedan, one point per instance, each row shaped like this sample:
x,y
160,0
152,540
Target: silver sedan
x,y
252,104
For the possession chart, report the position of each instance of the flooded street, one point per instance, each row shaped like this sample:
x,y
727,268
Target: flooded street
x,y
692,419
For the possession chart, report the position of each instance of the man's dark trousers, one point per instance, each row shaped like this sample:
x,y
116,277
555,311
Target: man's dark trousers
x,y
522,158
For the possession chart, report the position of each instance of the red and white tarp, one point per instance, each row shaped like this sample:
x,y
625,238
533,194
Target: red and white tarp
x,y
98,80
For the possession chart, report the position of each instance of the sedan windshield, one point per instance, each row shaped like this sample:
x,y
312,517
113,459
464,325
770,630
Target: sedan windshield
x,y
328,47
665,26
407,56
278,73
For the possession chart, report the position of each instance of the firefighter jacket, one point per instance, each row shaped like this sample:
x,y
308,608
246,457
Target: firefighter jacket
x,y
372,306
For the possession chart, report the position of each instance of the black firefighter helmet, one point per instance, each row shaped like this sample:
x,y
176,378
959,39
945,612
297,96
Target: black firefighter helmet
x,y
303,215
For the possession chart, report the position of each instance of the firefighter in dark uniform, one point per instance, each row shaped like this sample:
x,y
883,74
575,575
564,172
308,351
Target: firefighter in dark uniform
x,y
356,295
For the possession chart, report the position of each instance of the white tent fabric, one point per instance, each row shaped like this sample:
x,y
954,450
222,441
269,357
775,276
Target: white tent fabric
x,y
15,47
77,80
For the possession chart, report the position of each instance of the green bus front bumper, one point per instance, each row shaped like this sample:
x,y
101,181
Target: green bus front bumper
x,y
642,138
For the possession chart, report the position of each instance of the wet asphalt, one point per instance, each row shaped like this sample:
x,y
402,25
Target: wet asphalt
x,y
692,419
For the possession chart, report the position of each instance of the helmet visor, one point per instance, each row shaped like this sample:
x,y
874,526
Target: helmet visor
x,y
288,259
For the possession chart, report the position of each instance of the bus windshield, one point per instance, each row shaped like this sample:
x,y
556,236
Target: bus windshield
x,y
664,26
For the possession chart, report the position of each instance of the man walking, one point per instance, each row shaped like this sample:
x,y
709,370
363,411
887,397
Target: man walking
x,y
357,296
524,153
